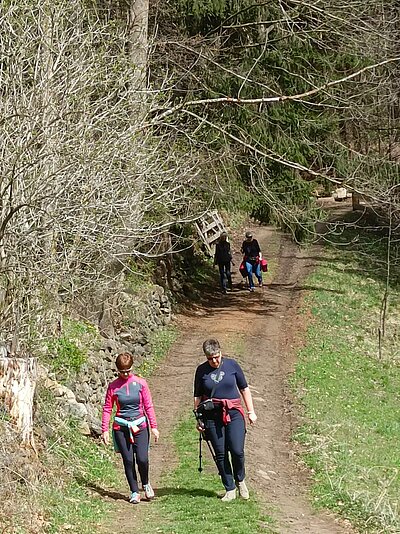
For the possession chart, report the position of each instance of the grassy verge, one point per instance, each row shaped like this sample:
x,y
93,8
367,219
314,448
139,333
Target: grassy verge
x,y
349,389
187,500
76,472
160,343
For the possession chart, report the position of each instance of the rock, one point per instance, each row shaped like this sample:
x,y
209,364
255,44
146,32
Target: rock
x,y
84,428
93,420
77,409
106,327
63,392
83,393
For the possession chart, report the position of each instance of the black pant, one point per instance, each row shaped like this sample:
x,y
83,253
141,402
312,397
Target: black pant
x,y
225,440
130,452
225,269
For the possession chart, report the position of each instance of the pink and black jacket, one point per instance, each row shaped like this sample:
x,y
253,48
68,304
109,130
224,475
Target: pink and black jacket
x,y
133,401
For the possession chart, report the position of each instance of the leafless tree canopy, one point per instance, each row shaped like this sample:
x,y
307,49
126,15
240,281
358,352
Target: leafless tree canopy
x,y
98,160
82,184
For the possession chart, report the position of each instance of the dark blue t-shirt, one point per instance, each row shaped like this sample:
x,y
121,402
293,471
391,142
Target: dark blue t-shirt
x,y
230,380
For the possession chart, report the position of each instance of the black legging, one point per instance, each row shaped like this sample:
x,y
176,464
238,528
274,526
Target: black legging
x,y
131,451
227,439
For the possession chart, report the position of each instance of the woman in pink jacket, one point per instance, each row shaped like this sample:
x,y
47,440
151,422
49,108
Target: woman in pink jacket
x,y
130,431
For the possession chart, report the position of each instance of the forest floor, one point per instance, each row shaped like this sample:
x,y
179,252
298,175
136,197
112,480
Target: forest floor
x,y
266,326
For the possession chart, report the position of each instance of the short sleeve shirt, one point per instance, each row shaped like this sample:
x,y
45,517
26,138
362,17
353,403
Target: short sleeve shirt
x,y
229,382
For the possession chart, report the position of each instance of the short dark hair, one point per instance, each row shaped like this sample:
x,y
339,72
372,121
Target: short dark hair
x,y
211,347
124,361
249,235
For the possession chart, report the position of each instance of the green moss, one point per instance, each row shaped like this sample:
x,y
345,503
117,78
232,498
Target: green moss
x,y
69,351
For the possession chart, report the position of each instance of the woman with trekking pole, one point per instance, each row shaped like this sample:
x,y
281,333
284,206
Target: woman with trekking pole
x,y
131,396
219,384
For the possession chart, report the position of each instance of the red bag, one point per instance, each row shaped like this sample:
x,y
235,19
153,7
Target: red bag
x,y
242,269
264,265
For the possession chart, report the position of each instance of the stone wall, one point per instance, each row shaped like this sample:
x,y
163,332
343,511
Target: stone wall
x,y
130,323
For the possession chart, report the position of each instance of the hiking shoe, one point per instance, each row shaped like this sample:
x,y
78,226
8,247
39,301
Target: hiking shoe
x,y
243,491
230,495
134,498
251,288
148,492
260,284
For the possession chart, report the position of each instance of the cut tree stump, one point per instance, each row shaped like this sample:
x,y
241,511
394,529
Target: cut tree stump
x,y
18,377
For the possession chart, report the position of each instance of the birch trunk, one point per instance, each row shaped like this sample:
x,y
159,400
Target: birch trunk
x,y
18,378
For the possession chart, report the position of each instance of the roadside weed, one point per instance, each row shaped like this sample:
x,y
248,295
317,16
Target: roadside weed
x,y
160,342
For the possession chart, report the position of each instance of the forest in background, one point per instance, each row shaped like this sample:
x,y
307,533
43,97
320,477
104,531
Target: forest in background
x,y
123,122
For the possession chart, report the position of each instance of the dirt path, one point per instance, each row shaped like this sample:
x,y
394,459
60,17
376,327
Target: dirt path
x,y
264,325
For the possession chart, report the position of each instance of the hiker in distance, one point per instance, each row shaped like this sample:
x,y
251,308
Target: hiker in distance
x,y
252,259
223,258
130,430
222,420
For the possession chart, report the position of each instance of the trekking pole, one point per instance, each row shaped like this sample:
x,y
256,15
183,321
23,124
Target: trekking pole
x,y
200,468
212,452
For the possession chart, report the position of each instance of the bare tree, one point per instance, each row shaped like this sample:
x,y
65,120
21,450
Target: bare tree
x,y
83,187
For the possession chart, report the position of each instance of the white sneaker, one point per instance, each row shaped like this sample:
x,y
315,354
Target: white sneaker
x,y
134,498
229,495
148,492
243,491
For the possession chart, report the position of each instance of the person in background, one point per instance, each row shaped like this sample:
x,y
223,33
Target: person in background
x,y
131,396
223,258
252,257
223,380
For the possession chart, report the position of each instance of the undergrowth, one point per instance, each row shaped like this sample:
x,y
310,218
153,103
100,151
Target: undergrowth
x,y
59,489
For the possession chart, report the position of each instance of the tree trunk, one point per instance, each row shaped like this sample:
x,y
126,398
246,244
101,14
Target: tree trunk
x,y
18,378
138,41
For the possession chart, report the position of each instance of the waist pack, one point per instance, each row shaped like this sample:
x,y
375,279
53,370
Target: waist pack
x,y
208,405
205,406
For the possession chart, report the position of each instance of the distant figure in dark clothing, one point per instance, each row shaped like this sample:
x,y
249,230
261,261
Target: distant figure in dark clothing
x,y
252,257
223,258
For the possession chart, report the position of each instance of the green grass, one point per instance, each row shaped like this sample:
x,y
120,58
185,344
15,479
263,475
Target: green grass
x,y
68,352
187,500
160,342
350,391
75,472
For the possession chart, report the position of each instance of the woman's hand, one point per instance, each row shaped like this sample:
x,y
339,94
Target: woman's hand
x,y
156,434
200,426
105,437
252,417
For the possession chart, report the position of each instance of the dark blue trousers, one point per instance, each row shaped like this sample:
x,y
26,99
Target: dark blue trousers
x,y
131,452
228,444
225,270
